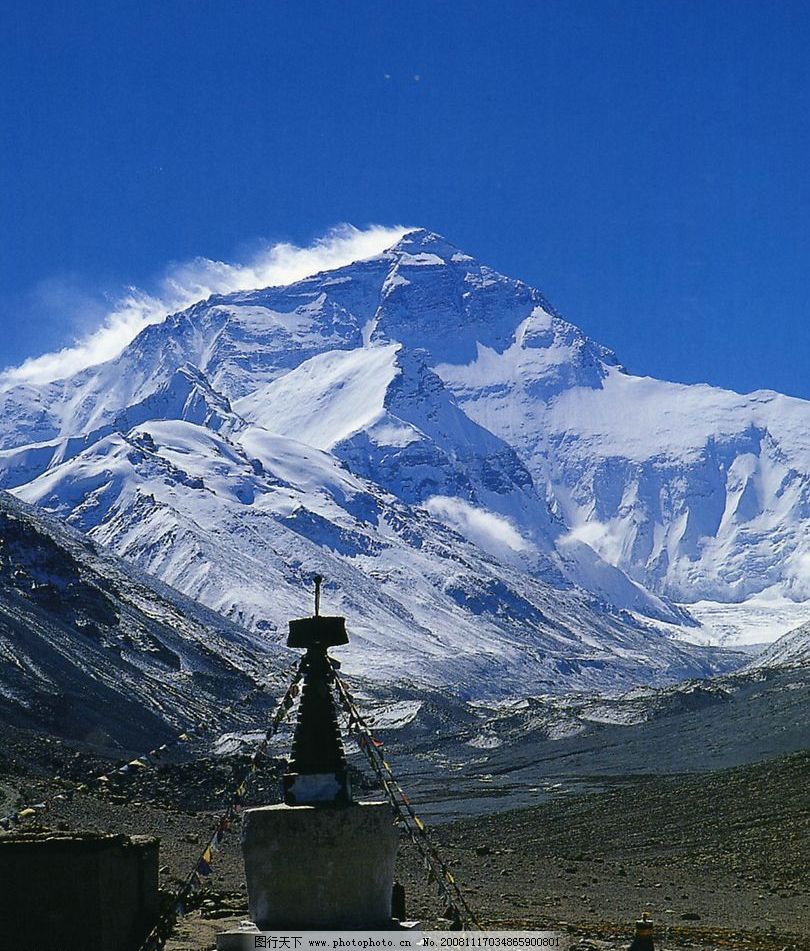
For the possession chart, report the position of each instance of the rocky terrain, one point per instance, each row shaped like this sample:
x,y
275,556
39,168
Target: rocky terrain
x,y
543,747
718,860
610,826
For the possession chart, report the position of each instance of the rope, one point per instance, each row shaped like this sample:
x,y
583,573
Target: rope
x,y
435,866
202,867
140,762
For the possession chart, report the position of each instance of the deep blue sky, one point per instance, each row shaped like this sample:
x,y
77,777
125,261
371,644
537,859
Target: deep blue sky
x,y
647,165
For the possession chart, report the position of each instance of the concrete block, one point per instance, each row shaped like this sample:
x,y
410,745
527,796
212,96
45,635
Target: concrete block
x,y
319,868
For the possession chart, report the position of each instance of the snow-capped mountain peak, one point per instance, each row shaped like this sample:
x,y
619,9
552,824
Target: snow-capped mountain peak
x,y
476,428
420,241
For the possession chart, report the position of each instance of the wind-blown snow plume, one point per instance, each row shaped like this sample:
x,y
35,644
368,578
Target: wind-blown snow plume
x,y
188,282
492,532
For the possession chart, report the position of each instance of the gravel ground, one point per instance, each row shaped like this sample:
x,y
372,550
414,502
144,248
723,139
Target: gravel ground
x,y
718,859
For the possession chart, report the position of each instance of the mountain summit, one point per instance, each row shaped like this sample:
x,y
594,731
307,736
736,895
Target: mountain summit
x,y
422,241
497,502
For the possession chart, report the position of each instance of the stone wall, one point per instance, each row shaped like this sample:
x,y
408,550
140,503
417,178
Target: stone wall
x,y
77,891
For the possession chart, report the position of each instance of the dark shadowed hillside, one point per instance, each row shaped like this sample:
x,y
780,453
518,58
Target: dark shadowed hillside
x,y
93,649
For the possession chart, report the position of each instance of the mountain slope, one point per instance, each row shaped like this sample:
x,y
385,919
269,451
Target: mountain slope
x,y
389,418
695,492
243,521
93,649
790,650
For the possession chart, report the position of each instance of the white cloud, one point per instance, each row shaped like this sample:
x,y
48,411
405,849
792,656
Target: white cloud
x,y
188,282
493,533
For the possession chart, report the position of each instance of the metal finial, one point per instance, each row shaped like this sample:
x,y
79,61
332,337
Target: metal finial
x,y
318,579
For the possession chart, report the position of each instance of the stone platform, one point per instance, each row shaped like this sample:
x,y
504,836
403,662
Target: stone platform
x,y
320,868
